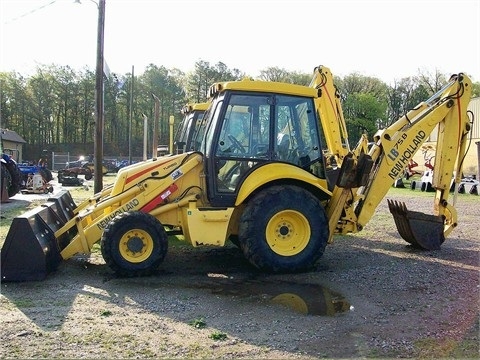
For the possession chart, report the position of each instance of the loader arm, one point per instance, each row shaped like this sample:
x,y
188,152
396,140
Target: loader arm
x,y
393,147
330,113
146,195
39,239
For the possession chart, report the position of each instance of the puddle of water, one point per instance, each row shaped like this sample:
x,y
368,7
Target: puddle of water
x,y
308,299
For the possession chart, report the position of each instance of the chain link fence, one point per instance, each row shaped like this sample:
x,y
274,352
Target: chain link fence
x,y
60,160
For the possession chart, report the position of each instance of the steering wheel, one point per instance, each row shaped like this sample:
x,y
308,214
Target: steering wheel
x,y
236,144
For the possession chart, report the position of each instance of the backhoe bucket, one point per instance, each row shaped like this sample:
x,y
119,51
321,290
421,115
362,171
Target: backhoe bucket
x,y
31,250
419,229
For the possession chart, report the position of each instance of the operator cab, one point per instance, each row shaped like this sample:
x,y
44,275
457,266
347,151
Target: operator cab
x,y
248,129
193,115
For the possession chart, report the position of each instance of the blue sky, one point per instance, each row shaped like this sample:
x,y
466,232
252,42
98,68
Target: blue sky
x,y
387,39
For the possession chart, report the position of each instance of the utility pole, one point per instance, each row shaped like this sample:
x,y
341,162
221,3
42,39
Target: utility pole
x,y
130,122
145,136
99,102
155,127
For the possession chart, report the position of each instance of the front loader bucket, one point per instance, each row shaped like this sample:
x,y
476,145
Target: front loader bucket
x,y
31,250
64,204
419,229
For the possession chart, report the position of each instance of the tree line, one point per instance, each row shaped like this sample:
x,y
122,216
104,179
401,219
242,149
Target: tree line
x,y
54,109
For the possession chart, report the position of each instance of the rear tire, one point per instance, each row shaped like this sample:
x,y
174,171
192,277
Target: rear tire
x,y
16,177
413,185
429,187
6,179
134,244
283,229
46,174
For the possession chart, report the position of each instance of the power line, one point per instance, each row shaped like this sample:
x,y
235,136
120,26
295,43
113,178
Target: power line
x,y
31,12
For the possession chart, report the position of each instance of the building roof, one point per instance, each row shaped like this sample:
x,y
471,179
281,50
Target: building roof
x,y
12,136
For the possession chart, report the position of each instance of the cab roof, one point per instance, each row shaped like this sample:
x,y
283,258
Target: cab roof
x,y
263,86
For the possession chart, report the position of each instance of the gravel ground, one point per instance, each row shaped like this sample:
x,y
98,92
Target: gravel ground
x,y
371,295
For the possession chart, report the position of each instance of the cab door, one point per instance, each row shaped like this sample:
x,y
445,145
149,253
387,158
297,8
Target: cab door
x,y
252,129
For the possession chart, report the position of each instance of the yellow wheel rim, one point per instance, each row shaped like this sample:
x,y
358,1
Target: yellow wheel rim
x,y
292,301
288,233
136,245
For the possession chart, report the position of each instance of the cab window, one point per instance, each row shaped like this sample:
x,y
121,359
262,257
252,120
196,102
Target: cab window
x,y
253,129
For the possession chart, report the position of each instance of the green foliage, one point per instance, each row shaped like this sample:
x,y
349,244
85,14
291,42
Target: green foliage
x,y
106,313
282,75
96,249
218,335
476,89
198,323
56,105
364,113
199,81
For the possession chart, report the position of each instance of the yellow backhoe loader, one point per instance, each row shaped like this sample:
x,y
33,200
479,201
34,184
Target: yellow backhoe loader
x,y
192,118
273,172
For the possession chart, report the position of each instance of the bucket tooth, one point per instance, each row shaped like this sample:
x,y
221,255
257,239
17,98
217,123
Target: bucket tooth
x,y
421,230
30,250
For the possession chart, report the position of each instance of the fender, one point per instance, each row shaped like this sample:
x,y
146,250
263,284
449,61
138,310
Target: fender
x,y
278,171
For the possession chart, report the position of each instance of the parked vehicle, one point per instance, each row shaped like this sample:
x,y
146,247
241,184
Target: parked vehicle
x,y
274,173
28,170
81,163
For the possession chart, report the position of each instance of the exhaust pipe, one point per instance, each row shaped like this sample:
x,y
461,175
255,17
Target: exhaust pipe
x,y
421,230
31,251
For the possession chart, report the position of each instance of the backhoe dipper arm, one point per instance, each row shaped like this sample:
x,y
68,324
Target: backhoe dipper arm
x,y
395,146
330,113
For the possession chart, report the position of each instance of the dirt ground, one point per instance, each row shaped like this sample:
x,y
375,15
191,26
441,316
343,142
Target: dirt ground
x,y
371,295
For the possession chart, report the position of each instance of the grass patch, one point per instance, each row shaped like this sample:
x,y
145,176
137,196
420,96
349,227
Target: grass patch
x,y
441,349
407,191
177,241
96,248
198,323
218,336
7,218
106,313
80,194
24,303
434,349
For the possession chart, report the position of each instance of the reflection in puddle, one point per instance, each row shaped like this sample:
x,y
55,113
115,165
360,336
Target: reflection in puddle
x,y
306,299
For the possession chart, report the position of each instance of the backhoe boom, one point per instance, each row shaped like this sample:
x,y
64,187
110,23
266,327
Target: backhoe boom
x,y
394,146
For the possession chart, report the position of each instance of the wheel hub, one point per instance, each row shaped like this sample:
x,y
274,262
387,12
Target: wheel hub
x,y
284,229
135,244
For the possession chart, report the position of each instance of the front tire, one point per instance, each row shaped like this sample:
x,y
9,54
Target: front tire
x,y
134,244
283,229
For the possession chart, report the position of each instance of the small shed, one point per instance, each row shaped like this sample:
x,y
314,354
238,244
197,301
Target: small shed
x,y
12,144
